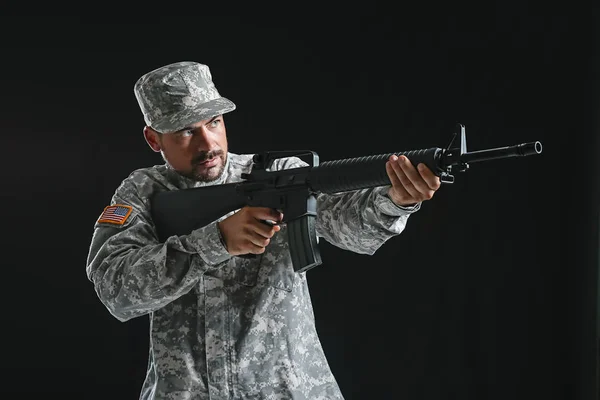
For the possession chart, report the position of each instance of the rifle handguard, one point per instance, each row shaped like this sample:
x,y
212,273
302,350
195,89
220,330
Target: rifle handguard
x,y
366,172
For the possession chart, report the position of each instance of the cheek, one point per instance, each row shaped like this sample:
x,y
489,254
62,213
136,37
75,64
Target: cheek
x,y
222,140
177,158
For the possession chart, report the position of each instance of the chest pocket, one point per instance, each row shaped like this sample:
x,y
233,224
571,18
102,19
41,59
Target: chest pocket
x,y
271,268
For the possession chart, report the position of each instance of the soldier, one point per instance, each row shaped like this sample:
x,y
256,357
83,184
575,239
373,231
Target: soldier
x,y
224,326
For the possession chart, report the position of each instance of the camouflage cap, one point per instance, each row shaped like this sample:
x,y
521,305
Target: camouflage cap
x,y
177,95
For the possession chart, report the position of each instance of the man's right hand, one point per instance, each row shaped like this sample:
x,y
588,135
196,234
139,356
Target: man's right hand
x,y
247,232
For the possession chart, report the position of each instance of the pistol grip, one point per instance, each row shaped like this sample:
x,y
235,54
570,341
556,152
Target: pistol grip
x,y
250,255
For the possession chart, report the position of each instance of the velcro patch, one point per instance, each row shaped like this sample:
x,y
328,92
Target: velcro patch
x,y
116,214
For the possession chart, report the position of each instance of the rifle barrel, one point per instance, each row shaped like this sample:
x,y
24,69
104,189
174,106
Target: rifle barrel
x,y
519,150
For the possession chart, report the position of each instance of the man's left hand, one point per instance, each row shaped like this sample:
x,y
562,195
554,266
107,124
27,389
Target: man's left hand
x,y
410,185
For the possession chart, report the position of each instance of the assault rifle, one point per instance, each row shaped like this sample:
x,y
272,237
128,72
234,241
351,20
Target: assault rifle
x,y
293,191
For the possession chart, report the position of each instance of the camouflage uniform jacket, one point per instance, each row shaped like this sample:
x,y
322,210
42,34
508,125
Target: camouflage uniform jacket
x,y
226,327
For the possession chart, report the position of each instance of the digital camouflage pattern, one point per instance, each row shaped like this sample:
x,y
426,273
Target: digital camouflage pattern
x,y
179,94
225,327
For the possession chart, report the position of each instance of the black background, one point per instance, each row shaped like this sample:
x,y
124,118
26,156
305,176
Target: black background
x,y
489,293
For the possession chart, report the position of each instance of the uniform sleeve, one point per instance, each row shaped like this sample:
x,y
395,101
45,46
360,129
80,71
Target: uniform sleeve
x,y
133,274
360,221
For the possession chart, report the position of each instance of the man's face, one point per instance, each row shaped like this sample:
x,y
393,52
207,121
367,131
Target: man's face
x,y
198,152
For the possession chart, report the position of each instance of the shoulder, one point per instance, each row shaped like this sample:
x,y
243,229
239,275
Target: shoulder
x,y
238,164
288,163
240,161
137,188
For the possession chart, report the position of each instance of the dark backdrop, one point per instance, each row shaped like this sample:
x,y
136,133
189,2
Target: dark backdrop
x,y
490,292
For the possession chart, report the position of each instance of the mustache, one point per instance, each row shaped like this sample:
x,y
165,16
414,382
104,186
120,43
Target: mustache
x,y
207,155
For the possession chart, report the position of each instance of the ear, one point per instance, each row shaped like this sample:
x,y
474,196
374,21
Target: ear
x,y
152,138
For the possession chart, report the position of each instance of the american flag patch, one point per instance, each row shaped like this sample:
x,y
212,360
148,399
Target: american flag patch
x,y
115,214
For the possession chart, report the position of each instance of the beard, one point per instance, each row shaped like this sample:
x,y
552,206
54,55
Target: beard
x,y
200,173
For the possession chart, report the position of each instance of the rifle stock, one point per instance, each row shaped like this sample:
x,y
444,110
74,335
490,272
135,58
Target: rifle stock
x,y
294,190
179,212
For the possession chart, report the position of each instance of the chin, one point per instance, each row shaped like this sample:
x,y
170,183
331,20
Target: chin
x,y
209,176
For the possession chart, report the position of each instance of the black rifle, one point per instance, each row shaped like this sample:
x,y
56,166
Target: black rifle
x,y
293,191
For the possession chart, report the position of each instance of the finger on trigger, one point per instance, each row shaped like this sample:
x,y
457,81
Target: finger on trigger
x,y
273,216
278,216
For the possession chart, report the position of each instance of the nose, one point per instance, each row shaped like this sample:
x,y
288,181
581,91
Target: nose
x,y
204,140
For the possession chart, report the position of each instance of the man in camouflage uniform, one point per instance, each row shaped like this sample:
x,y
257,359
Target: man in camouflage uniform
x,y
224,326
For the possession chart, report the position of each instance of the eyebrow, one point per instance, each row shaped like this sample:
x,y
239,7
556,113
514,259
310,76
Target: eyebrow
x,y
189,128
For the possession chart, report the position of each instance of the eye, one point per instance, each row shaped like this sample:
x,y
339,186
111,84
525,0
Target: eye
x,y
215,123
186,133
